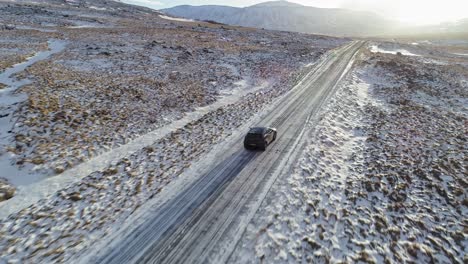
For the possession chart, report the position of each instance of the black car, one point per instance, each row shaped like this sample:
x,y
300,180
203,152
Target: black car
x,y
259,137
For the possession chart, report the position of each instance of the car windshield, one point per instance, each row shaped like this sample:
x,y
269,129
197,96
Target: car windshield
x,y
257,130
254,135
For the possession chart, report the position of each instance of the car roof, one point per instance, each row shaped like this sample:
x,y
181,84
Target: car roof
x,y
257,130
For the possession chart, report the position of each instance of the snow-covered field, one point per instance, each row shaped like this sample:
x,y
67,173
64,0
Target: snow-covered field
x,y
17,48
383,178
111,87
31,193
384,48
69,101
130,100
86,210
8,103
158,92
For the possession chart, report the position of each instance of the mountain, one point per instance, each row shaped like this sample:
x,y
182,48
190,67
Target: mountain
x,y
277,4
283,15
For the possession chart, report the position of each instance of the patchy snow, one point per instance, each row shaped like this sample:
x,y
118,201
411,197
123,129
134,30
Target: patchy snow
x,y
125,185
176,18
36,28
240,89
98,8
318,184
169,77
219,151
114,192
376,48
32,188
7,77
8,101
86,26
382,178
106,90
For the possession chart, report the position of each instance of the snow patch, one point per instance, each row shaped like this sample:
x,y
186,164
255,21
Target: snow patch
x,y
377,49
8,102
176,18
98,8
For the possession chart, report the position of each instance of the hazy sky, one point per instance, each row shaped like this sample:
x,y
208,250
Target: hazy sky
x,y
411,11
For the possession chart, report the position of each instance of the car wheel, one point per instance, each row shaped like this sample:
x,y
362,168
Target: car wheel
x,y
274,136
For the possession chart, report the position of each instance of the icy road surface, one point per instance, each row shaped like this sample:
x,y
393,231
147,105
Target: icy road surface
x,y
204,221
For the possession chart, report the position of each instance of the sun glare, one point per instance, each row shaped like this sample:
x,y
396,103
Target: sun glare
x,y
414,12
430,12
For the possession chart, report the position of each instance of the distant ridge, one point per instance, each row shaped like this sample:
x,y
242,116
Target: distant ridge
x,y
277,4
283,15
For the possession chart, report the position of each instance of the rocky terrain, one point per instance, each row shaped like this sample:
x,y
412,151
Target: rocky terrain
x,y
383,178
120,72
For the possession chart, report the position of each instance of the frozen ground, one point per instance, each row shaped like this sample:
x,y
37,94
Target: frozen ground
x,y
86,210
126,107
390,49
176,19
124,73
15,48
9,101
434,49
383,178
33,192
134,99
